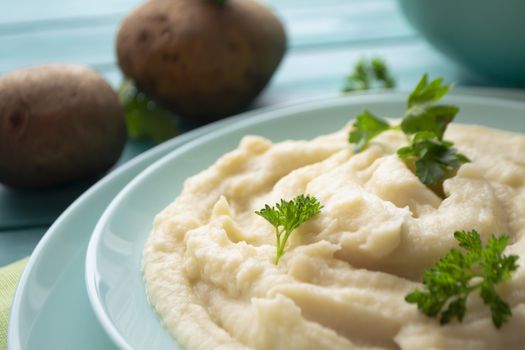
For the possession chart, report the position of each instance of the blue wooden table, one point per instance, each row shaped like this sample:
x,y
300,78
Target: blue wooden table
x,y
326,38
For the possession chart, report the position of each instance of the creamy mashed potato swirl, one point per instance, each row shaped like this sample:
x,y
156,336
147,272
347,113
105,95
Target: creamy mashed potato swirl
x,y
208,264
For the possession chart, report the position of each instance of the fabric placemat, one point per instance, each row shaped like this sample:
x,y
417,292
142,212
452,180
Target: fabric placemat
x,y
9,277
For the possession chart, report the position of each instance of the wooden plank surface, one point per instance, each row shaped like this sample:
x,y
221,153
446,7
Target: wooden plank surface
x,y
326,38
17,244
90,39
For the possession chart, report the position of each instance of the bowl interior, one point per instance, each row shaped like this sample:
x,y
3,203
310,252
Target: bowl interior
x,y
113,277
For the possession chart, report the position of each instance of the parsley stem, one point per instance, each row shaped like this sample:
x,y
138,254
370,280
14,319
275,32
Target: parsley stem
x,y
278,234
281,244
474,286
395,127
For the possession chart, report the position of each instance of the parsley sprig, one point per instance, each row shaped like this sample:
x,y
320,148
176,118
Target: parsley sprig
x,y
365,73
286,216
454,277
145,119
424,123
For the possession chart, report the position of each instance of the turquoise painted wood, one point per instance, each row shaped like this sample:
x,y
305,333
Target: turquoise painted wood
x,y
89,40
29,209
17,244
326,38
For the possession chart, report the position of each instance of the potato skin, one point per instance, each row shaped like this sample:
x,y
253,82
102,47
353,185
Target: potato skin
x,y
198,58
58,123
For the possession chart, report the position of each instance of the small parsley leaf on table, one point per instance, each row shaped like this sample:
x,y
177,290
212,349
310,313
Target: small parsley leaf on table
x,y
365,73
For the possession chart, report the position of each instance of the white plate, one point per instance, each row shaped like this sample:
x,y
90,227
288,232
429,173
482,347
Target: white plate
x,y
113,276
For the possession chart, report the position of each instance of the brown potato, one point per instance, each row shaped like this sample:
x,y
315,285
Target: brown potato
x,y
199,58
58,123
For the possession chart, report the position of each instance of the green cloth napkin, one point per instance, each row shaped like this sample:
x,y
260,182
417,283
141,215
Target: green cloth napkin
x,y
9,276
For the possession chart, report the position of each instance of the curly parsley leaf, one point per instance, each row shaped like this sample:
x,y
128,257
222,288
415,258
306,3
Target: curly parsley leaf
x,y
448,284
365,73
434,159
286,216
366,127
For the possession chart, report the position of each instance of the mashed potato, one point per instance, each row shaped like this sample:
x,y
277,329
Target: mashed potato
x,y
208,264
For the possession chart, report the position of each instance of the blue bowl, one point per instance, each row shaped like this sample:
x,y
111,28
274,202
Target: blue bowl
x,y
486,37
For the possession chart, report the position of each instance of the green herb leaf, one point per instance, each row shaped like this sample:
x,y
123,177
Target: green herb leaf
x,y
422,114
448,284
365,73
145,119
365,128
286,216
426,92
434,159
424,123
382,73
428,117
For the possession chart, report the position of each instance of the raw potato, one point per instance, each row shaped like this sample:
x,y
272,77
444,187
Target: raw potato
x,y
58,123
199,58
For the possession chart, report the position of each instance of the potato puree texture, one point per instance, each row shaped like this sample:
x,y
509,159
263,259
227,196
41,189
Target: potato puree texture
x,y
208,264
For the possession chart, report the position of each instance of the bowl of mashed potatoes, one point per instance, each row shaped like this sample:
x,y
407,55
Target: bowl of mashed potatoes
x,y
181,260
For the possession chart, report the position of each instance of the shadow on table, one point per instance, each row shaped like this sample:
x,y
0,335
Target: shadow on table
x,y
21,209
